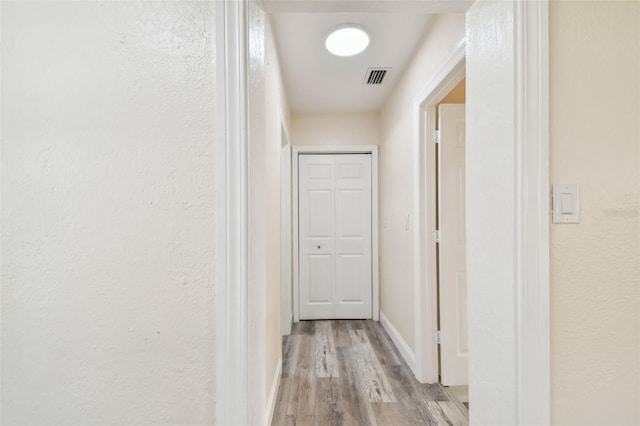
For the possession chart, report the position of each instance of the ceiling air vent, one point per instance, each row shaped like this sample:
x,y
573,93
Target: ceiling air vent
x,y
375,76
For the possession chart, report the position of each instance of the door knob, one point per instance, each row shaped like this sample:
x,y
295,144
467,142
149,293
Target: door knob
x,y
318,247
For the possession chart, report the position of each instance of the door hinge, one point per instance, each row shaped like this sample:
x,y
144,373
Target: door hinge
x,y
436,236
436,136
438,337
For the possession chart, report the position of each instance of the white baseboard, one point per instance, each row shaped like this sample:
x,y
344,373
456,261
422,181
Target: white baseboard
x,y
286,327
406,352
273,394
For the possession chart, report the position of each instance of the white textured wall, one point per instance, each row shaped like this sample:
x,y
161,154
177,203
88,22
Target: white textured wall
x,y
396,165
491,213
335,129
595,266
107,213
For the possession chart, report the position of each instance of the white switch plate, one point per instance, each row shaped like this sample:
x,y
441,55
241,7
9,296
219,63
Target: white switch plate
x,y
566,203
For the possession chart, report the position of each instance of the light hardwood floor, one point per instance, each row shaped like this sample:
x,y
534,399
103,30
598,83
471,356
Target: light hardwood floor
x,y
348,372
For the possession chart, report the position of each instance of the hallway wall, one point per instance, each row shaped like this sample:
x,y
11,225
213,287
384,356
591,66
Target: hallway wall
x,y
267,106
396,165
108,213
595,265
335,129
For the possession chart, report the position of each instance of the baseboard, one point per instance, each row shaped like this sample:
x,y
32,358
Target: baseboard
x,y
273,394
406,352
286,328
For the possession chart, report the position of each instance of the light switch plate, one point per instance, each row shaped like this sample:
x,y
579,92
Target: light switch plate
x,y
566,203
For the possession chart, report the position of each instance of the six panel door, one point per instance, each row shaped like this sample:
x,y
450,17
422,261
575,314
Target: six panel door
x,y
334,236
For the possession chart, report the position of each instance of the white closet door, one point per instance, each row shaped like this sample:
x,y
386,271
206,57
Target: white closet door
x,y
335,236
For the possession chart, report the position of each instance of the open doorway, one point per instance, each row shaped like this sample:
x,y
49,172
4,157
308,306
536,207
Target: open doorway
x,y
440,282
451,251
426,240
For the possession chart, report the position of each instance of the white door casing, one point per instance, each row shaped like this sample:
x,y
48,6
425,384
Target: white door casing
x,y
454,352
285,231
335,236
232,236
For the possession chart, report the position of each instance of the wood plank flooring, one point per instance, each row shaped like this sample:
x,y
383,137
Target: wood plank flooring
x,y
348,372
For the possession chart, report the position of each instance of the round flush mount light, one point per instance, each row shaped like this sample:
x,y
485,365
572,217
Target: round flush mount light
x,y
347,40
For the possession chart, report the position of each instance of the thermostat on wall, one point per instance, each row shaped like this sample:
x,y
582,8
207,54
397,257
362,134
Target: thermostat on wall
x,y
566,206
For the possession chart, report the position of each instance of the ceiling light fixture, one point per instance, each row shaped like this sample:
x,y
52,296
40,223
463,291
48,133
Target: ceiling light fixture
x,y
347,40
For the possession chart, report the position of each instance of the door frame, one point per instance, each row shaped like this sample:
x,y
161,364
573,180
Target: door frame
x,y
526,32
286,231
346,149
233,364
425,277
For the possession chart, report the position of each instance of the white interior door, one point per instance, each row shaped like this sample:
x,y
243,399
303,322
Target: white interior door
x,y
453,271
334,210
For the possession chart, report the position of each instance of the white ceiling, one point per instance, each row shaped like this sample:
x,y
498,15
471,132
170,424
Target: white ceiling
x,y
319,82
